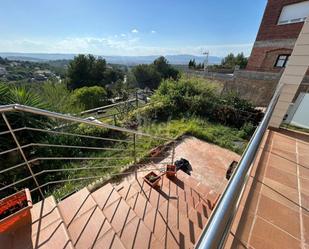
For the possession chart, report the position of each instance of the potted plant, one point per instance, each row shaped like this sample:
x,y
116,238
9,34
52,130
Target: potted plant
x,y
15,211
152,179
170,170
156,151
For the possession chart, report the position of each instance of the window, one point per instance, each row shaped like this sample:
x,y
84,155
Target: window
x,y
294,13
282,60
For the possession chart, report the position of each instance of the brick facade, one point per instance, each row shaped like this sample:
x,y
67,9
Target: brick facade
x,y
273,39
264,59
269,30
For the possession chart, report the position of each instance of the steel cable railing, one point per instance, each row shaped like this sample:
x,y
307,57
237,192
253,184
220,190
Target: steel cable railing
x,y
51,161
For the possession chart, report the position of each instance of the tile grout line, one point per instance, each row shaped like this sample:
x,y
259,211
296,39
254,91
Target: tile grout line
x,y
277,227
259,198
302,236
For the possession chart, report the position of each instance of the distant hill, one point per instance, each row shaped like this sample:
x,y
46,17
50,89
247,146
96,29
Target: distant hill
x,y
126,60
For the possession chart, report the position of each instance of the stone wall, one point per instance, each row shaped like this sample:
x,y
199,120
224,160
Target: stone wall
x,y
257,87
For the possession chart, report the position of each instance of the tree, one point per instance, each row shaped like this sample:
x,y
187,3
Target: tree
x,y
230,61
165,69
79,71
89,97
147,76
192,64
151,75
112,75
241,60
2,61
98,70
90,71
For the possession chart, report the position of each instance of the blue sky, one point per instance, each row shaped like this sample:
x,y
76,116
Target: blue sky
x,y
129,27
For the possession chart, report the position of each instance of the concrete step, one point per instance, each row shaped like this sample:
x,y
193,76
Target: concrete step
x,y
86,223
46,229
132,230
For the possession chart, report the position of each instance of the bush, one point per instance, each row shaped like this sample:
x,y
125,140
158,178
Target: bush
x,y
89,97
195,97
58,98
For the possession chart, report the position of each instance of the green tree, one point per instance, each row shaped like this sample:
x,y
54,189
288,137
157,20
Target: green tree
x,y
98,70
89,97
241,60
165,69
79,71
147,76
111,76
190,64
86,70
230,61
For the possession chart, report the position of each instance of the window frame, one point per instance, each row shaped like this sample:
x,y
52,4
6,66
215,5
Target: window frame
x,y
285,61
292,21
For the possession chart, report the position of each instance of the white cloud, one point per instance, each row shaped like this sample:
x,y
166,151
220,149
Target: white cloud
x,y
123,35
153,32
134,31
120,45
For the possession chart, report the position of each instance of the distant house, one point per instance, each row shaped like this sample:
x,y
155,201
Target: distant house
x,y
280,27
42,75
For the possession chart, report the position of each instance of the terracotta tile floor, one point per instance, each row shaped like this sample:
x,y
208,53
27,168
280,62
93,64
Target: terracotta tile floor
x,y
274,211
209,162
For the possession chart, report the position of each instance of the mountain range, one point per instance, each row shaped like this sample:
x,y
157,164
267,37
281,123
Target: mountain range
x,y
126,60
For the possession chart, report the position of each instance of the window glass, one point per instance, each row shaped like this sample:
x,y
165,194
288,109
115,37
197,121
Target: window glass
x,y
294,13
282,60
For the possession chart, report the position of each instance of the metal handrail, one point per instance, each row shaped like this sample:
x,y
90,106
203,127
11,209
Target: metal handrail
x,y
219,224
65,146
107,106
75,135
32,162
33,110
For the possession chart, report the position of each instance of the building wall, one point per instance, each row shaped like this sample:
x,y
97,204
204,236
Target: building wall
x,y
273,39
269,30
264,58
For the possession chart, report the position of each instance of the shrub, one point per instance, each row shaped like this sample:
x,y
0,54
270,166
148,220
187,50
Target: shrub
x,y
195,97
58,98
89,97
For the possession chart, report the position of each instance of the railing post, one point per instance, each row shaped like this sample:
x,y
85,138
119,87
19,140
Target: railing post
x,y
134,148
136,99
115,120
173,152
134,153
22,154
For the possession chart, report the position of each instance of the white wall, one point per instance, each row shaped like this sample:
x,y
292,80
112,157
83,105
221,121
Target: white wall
x,y
298,115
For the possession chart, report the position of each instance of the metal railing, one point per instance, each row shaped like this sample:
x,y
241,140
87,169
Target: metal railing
x,y
218,227
48,155
118,109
